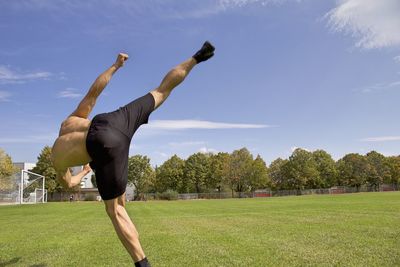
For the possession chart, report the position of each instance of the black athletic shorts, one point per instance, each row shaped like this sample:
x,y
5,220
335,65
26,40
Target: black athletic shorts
x,y
108,140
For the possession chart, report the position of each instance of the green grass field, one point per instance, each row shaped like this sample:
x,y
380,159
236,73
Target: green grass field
x,y
342,230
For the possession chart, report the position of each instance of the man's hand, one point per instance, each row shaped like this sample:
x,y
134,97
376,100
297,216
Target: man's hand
x,y
121,60
87,168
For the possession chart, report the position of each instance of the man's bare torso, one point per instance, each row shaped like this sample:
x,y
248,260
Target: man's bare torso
x,y
69,149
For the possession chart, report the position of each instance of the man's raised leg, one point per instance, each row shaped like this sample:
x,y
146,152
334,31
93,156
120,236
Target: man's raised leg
x,y
175,76
125,229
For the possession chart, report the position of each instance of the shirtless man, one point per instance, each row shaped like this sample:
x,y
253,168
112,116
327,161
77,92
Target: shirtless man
x,y
103,144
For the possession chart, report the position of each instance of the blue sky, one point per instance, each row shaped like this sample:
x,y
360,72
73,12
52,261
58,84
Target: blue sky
x,y
307,73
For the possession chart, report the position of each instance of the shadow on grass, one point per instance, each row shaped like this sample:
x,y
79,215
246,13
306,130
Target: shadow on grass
x,y
16,260
12,261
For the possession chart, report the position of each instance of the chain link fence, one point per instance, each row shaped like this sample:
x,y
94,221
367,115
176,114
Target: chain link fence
x,y
274,193
9,188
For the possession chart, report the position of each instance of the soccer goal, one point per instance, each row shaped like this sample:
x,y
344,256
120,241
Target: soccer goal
x,y
31,188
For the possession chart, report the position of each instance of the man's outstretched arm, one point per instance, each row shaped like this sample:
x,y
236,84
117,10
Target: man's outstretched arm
x,y
86,105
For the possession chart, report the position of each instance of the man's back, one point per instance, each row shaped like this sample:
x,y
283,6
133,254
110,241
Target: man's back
x,y
69,149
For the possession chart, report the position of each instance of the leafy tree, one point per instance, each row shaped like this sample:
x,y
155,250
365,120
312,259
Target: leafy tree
x,y
378,170
240,169
197,171
140,174
353,169
7,169
259,177
170,175
301,170
326,166
394,166
44,166
219,171
276,173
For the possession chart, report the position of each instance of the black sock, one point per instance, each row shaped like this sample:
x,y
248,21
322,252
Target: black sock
x,y
143,263
206,51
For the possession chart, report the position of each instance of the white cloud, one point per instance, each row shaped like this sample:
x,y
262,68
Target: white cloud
x,y
198,124
13,52
41,138
293,148
69,93
4,96
381,139
155,8
207,150
185,144
162,154
242,3
397,59
8,76
380,86
199,9
375,23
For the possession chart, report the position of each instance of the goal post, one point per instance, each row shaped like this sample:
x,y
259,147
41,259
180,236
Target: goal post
x,y
32,188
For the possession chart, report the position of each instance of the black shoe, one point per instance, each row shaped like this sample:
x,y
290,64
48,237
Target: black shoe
x,y
143,263
206,51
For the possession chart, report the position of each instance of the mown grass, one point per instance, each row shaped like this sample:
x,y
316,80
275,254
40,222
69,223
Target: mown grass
x,y
331,230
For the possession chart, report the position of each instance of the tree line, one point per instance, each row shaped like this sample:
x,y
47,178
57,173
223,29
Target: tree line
x,y
240,171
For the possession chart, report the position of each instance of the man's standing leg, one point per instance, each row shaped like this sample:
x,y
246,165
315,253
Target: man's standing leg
x,y
125,229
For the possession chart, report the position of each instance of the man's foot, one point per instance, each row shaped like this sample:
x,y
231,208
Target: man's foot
x,y
206,52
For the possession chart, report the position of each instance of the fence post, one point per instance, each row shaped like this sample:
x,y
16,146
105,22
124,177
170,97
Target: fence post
x,y
44,180
21,188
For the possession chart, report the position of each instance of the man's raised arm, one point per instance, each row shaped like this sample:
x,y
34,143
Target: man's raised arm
x,y
86,105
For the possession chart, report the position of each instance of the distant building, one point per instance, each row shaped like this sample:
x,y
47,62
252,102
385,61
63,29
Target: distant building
x,y
130,192
87,183
86,180
26,166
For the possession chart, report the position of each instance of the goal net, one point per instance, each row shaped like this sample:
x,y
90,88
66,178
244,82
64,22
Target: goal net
x,y
31,188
